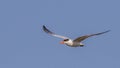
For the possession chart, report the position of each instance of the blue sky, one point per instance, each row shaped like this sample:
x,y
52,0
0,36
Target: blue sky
x,y
25,45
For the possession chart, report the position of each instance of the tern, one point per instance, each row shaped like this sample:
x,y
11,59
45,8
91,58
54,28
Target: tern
x,y
72,42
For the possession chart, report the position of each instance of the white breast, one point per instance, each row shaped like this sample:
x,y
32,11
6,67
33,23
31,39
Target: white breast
x,y
70,42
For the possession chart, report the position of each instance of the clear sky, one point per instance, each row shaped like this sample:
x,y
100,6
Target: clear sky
x,y
25,45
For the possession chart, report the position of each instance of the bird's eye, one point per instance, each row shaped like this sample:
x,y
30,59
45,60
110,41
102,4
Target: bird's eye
x,y
66,39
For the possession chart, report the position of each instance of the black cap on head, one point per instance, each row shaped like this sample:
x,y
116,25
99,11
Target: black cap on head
x,y
66,40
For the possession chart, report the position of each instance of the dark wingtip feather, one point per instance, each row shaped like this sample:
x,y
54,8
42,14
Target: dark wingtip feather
x,y
107,31
100,33
46,30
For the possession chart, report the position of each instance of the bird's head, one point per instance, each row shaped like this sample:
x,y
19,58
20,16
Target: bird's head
x,y
66,41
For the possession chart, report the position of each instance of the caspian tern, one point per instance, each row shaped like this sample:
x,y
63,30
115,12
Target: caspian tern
x,y
70,42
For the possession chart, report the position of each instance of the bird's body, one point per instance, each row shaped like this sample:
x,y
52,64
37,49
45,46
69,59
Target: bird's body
x,y
70,42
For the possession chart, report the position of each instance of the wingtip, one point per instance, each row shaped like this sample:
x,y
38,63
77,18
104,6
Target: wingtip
x,y
105,32
43,26
46,30
108,30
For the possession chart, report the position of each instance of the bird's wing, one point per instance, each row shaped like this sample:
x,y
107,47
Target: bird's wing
x,y
79,39
53,34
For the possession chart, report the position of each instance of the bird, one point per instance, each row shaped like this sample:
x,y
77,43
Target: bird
x,y
77,42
